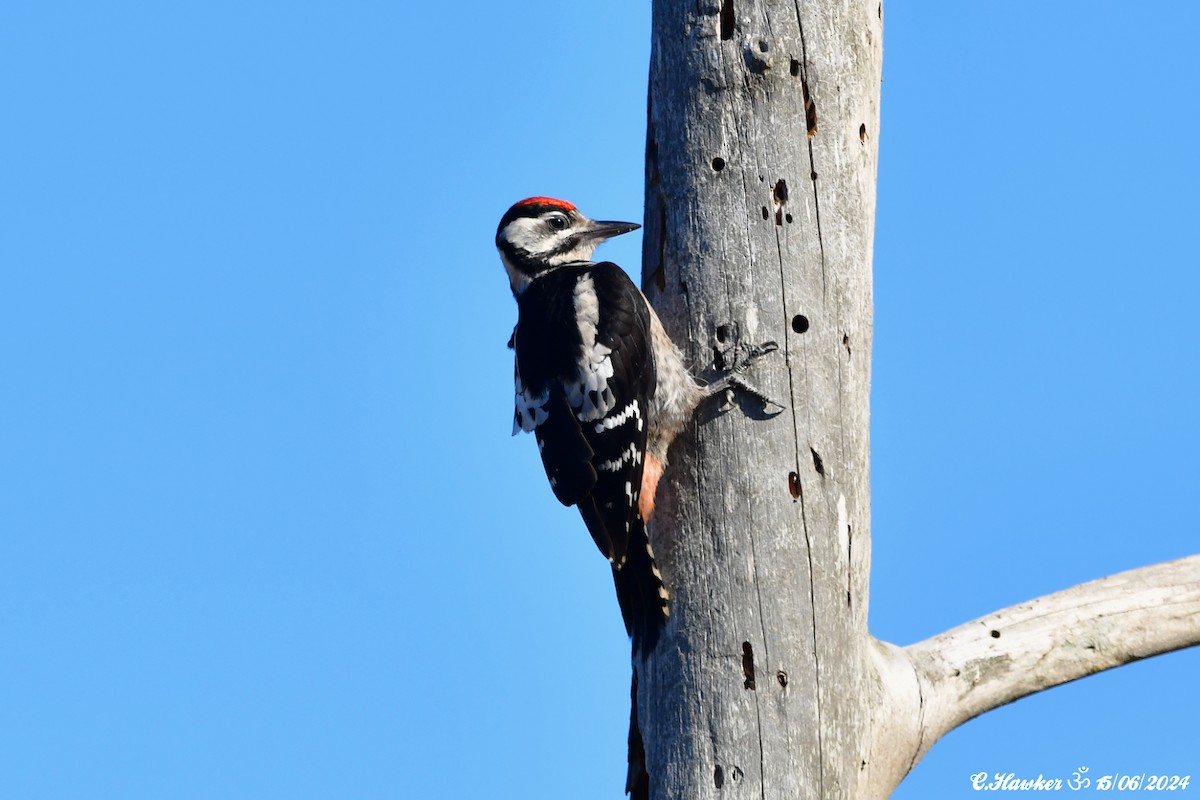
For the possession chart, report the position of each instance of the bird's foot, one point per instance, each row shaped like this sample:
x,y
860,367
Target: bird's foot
x,y
734,380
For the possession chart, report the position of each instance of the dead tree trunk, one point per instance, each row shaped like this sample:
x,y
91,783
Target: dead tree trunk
x,y
760,201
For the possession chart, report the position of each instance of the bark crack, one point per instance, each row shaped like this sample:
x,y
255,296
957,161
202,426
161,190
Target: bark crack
x,y
808,545
812,164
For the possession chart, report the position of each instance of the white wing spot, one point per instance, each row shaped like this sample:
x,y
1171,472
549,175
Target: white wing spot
x,y
630,454
531,409
612,421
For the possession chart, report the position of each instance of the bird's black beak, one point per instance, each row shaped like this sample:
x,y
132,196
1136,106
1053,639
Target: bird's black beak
x,y
606,230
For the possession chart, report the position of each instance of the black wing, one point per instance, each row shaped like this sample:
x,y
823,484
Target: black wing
x,y
583,388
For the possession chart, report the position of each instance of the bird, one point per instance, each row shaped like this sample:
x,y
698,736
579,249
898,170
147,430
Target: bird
x,y
602,387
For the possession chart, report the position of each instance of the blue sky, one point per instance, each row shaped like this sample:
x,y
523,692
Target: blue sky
x,y
263,530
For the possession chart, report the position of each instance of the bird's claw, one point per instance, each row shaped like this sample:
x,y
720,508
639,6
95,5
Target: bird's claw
x,y
734,380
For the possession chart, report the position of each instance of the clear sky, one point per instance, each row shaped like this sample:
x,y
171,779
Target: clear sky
x,y
263,530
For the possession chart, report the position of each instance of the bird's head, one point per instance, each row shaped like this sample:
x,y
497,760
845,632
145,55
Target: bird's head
x,y
540,233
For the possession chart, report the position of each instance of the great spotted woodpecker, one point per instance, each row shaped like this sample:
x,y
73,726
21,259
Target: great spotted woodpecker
x,y
602,387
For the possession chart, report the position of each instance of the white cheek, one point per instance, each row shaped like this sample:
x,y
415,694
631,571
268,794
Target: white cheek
x,y
530,235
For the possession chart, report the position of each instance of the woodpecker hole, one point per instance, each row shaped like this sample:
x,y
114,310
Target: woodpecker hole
x,y
727,20
748,665
718,164
779,190
794,485
787,218
780,194
795,68
718,776
766,213
846,342
862,133
723,332
818,464
781,676
763,46
800,323
813,175
995,634
810,111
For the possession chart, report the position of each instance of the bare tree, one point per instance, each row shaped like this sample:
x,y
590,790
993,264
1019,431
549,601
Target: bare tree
x,y
760,200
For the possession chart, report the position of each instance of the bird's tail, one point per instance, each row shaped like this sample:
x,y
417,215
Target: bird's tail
x,y
645,603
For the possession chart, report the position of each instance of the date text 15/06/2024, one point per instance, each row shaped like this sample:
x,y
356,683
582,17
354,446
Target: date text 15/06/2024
x,y
1079,780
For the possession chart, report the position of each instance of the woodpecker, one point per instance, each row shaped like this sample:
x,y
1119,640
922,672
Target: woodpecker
x,y
602,387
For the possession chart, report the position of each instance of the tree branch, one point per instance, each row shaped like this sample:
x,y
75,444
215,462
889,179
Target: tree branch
x,y
1054,639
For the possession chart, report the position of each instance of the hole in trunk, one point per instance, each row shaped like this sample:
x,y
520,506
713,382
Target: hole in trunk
x,y
748,665
810,111
727,20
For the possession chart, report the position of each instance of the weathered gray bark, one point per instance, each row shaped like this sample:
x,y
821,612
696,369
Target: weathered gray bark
x,y
760,201
761,196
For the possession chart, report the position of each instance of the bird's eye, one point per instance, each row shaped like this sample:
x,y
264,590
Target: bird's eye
x,y
558,222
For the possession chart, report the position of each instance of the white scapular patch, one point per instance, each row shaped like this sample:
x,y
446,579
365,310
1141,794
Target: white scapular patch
x,y
587,310
530,408
631,454
610,422
590,396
